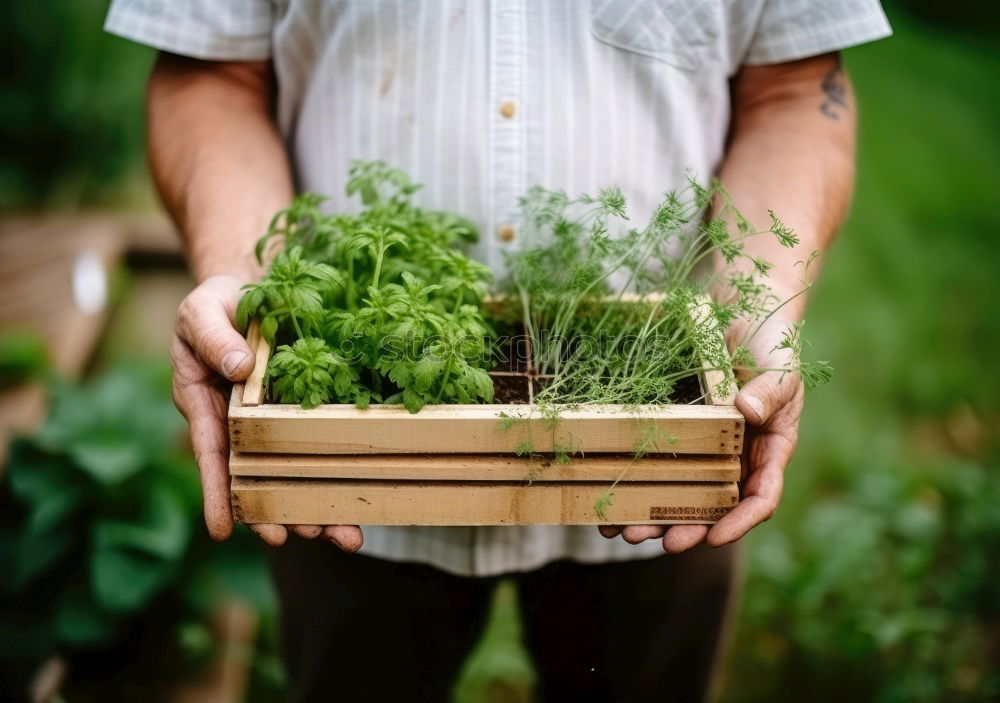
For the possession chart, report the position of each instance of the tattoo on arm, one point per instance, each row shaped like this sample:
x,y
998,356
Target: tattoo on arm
x,y
835,91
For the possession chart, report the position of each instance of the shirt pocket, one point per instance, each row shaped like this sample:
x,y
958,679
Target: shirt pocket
x,y
682,33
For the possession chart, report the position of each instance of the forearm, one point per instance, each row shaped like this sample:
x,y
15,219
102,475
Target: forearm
x,y
217,159
791,151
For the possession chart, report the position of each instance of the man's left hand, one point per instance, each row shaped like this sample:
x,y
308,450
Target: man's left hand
x,y
772,406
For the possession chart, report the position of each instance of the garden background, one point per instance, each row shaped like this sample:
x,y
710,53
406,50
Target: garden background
x,y
877,579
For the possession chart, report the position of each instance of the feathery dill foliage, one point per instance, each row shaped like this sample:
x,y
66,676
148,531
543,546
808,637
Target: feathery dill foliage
x,y
349,302
622,319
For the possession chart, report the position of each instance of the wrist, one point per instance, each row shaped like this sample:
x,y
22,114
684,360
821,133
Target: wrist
x,y
245,269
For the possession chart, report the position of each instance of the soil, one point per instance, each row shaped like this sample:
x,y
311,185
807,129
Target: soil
x,y
509,389
687,390
513,350
512,376
512,388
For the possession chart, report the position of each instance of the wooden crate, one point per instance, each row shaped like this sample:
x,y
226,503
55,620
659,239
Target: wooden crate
x,y
456,464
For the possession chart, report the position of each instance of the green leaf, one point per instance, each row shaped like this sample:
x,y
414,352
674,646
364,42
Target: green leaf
x,y
478,382
35,554
258,250
80,620
131,561
362,399
269,328
114,426
426,371
163,532
48,485
413,401
125,580
249,305
603,504
107,459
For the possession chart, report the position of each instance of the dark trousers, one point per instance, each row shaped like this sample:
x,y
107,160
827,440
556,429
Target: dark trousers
x,y
357,628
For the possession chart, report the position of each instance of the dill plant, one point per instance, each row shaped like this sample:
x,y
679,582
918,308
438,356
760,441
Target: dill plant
x,y
623,315
623,319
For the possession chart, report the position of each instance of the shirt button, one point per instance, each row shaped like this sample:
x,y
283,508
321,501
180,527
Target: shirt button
x,y
506,233
508,109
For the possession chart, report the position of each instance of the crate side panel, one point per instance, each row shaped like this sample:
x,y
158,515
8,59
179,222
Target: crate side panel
x,y
336,429
326,502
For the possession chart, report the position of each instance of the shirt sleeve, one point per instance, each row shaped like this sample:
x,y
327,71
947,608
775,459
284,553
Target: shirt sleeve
x,y
220,30
795,29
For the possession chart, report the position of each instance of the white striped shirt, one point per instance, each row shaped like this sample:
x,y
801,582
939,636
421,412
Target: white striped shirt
x,y
479,100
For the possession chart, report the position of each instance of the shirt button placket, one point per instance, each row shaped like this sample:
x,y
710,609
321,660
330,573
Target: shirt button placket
x,y
508,138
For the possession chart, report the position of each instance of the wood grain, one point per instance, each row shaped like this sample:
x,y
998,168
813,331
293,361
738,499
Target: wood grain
x,y
713,379
466,429
331,502
486,467
253,388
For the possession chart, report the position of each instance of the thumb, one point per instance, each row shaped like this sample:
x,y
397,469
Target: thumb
x,y
205,321
764,395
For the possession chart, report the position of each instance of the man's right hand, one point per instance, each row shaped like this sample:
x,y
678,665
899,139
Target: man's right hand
x,y
206,352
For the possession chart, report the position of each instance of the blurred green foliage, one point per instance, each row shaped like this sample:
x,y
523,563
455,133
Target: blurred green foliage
x,y
100,526
71,97
498,668
99,515
877,579
22,356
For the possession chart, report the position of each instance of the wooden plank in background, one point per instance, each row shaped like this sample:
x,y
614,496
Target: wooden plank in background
x,y
332,502
38,259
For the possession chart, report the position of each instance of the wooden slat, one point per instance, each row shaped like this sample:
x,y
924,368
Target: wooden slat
x,y
473,429
253,389
331,502
488,467
712,378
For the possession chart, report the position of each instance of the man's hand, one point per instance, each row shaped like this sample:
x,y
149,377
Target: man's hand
x,y
791,149
206,352
772,405
220,166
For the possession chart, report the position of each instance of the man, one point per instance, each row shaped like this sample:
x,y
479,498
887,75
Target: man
x,y
251,101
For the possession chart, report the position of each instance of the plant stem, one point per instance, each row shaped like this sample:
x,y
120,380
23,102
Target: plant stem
x,y
351,306
378,266
295,324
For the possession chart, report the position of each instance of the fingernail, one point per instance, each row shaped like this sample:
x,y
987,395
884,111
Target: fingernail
x,y
754,404
232,361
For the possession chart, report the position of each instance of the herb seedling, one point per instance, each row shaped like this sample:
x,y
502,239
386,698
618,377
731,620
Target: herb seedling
x,y
347,300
